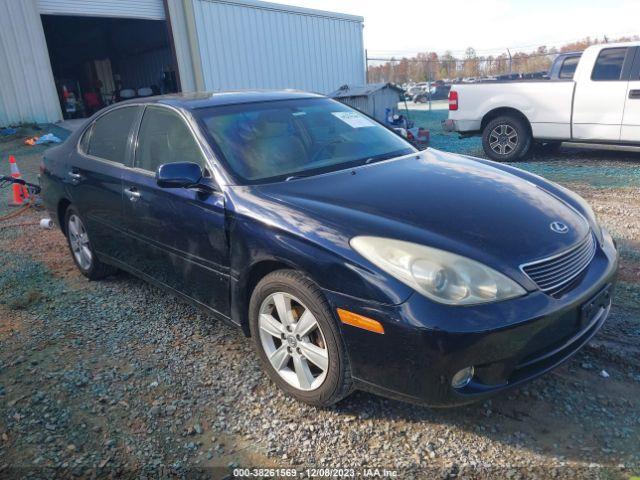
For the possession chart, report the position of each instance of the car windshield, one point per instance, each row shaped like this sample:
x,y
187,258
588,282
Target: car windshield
x,y
279,140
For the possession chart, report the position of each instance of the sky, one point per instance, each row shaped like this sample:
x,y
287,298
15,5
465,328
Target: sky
x,y
402,28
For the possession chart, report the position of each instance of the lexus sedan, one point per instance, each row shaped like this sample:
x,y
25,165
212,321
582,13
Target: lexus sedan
x,y
351,259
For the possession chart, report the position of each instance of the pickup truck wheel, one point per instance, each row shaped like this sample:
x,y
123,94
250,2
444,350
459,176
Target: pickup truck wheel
x,y
297,339
506,139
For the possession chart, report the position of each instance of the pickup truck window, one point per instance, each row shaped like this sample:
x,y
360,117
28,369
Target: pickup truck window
x,y
608,66
568,68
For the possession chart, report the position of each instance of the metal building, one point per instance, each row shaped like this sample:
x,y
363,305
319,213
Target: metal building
x,y
69,57
374,99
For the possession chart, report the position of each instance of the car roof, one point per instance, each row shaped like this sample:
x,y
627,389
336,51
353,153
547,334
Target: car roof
x,y
197,100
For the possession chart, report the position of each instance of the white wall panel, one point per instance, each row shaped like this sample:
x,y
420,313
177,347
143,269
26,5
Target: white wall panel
x,y
252,44
27,90
145,9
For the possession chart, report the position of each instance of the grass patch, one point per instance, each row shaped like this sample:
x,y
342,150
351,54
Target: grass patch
x,y
25,283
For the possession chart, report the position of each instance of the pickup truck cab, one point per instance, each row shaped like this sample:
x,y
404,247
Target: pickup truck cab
x,y
598,104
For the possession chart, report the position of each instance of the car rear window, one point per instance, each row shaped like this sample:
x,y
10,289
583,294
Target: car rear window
x,y
568,68
609,64
110,134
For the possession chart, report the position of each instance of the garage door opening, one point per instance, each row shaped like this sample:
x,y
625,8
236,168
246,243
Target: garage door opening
x,y
98,61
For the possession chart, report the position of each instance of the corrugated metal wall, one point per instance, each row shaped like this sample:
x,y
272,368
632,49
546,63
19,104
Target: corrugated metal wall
x,y
145,69
27,91
376,103
251,44
146,9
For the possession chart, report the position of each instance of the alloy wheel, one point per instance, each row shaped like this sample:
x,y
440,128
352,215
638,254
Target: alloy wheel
x,y
293,341
79,241
503,139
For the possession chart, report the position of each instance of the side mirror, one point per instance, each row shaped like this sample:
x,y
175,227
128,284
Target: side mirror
x,y
178,175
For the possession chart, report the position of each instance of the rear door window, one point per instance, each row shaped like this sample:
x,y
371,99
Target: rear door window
x,y
609,64
110,134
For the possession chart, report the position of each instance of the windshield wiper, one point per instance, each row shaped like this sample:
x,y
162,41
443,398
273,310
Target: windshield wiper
x,y
379,158
295,177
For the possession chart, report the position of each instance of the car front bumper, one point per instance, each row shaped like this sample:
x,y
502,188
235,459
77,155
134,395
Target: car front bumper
x,y
508,343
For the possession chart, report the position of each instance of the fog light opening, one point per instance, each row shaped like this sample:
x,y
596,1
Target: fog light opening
x,y
462,378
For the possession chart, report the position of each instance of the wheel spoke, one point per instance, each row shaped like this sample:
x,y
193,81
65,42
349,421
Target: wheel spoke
x,y
305,378
86,253
315,354
306,323
283,306
271,325
280,357
73,226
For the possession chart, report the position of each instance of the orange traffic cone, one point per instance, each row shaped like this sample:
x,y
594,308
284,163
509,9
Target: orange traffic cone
x,y
20,193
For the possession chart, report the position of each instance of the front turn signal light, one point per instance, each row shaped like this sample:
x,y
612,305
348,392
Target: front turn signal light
x,y
360,321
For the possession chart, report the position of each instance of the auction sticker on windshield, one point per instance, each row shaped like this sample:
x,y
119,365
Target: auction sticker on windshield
x,y
354,119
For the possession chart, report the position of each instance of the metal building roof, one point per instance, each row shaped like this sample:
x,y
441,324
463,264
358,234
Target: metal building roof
x,y
362,90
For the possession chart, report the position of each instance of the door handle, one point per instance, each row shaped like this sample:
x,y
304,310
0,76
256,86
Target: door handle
x,y
634,94
133,194
74,175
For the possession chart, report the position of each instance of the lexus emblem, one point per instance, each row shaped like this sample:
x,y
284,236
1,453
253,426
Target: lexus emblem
x,y
559,227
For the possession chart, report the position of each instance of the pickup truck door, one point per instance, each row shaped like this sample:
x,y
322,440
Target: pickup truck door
x,y
631,120
599,101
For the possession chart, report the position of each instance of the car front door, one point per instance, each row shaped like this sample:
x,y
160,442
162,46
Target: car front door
x,y
94,177
631,120
179,233
599,100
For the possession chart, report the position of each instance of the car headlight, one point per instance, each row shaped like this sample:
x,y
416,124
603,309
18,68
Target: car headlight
x,y
439,275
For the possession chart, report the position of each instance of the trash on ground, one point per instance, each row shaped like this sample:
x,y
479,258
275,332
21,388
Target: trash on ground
x,y
604,374
48,138
8,131
46,223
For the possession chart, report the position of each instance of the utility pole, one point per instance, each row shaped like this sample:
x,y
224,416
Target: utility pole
x,y
510,60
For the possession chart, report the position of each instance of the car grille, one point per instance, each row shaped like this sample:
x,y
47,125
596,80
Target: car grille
x,y
554,274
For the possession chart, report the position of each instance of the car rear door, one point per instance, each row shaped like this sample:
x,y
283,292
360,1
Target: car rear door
x,y
179,234
631,120
599,100
94,177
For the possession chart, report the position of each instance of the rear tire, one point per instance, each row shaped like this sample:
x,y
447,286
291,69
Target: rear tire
x,y
294,356
82,251
506,139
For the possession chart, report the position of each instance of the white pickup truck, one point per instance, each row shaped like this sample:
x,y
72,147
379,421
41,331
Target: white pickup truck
x,y
599,104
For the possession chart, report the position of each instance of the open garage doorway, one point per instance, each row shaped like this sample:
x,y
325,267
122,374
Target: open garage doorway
x,y
97,61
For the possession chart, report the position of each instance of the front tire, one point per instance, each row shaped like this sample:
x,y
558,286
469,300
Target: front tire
x,y
506,139
81,249
297,339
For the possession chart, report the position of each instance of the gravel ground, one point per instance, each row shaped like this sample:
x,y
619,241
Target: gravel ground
x,y
116,378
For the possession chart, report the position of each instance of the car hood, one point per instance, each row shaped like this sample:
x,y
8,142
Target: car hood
x,y
442,200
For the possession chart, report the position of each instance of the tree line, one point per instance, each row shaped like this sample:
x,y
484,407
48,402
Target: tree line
x,y
431,66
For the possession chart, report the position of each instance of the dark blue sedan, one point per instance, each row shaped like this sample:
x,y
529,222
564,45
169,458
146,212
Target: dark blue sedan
x,y
351,259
